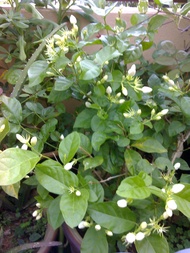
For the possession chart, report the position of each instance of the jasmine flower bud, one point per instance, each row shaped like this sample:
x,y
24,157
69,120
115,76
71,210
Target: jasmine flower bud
x,y
83,224
177,166
169,212
78,193
35,213
171,82
38,205
171,204
73,20
109,233
62,137
39,216
122,203
105,78
164,112
124,91
165,215
118,95
68,166
130,237
146,89
121,101
132,70
143,225
109,90
24,147
88,104
33,141
97,227
177,188
139,236
139,111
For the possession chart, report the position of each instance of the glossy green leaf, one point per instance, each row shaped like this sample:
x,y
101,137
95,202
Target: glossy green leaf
x,y
12,190
156,21
96,190
149,145
37,72
152,244
89,70
69,147
184,105
175,128
162,163
98,138
106,54
15,164
74,207
11,109
132,157
4,128
83,119
54,178
109,215
94,240
54,215
93,162
62,83
133,187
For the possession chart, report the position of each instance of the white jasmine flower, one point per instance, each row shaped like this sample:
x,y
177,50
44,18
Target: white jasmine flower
x,y
171,204
177,188
132,70
33,141
62,137
39,216
97,227
122,203
169,212
124,91
177,166
73,20
78,193
109,233
121,101
139,236
146,89
83,224
2,128
109,90
88,104
165,215
22,139
38,205
130,237
69,166
164,112
24,147
143,225
35,213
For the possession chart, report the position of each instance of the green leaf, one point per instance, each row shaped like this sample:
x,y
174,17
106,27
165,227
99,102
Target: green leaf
x,y
12,190
62,83
184,105
133,187
93,162
89,70
11,109
156,21
182,200
185,9
163,162
96,189
37,72
83,119
175,128
158,192
15,164
98,138
152,244
106,54
109,215
4,128
69,147
74,207
55,217
136,128
149,145
132,157
54,178
94,240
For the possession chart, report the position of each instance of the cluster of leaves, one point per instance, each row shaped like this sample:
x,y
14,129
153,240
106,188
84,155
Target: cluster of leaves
x,y
123,140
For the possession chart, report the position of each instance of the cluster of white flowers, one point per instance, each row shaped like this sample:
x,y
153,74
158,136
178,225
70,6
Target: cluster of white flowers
x,y
27,141
132,237
158,116
37,213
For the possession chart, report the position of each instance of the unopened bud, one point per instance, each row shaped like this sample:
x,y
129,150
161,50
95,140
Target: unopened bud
x,y
109,90
97,227
132,70
33,141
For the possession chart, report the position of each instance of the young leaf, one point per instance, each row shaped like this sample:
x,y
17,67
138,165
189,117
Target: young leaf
x,y
134,188
37,72
109,215
152,244
149,145
106,54
74,207
94,240
89,70
15,164
69,147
